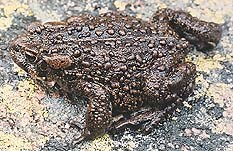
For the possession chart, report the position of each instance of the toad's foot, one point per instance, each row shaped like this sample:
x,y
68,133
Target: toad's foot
x,y
145,119
204,35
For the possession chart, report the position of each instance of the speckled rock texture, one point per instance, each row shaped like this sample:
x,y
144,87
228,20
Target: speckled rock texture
x,y
31,119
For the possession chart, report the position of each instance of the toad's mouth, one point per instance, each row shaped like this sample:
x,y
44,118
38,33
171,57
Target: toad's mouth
x,y
44,82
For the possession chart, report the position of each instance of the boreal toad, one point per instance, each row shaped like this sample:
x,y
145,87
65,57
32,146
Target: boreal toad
x,y
121,64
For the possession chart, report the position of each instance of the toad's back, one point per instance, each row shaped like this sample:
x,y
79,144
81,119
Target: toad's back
x,y
114,49
110,47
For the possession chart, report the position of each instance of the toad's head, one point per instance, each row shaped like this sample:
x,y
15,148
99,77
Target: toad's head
x,y
34,53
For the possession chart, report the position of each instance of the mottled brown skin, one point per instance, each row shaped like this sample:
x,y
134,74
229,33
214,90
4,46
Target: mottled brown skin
x,y
121,64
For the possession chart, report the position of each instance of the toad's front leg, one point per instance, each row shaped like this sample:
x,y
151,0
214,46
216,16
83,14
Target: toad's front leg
x,y
99,110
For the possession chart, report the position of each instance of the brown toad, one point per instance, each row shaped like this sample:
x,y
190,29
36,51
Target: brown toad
x,y
121,64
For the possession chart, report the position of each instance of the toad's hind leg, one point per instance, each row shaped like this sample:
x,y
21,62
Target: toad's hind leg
x,y
99,110
174,87
204,35
161,97
166,96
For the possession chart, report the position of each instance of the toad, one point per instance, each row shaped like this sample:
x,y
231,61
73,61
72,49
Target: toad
x,y
121,64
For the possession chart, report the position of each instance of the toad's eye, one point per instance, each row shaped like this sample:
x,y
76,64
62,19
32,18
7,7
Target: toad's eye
x,y
30,57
